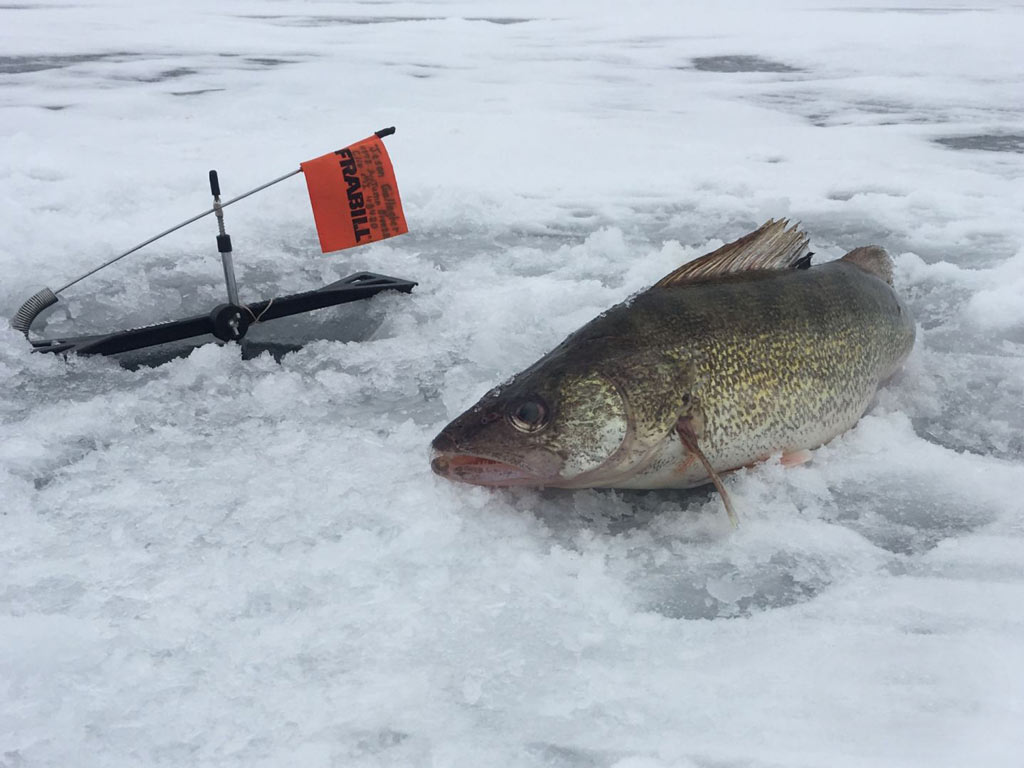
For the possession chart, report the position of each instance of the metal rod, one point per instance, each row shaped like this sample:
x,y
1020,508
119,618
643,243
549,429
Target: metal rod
x,y
176,228
229,277
224,241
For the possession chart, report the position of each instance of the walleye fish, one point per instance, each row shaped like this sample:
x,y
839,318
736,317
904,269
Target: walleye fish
x,y
745,353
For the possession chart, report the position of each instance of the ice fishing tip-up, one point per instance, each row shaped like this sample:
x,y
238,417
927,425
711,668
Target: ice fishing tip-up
x,y
351,188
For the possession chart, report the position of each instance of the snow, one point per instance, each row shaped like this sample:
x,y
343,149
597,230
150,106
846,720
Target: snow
x,y
247,562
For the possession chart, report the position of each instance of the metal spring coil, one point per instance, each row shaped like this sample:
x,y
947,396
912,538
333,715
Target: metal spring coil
x,y
30,310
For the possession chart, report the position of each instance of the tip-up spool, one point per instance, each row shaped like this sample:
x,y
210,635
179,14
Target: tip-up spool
x,y
30,310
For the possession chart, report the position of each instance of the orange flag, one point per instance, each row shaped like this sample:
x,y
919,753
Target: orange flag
x,y
354,195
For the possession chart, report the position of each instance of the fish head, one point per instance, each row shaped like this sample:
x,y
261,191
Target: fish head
x,y
543,428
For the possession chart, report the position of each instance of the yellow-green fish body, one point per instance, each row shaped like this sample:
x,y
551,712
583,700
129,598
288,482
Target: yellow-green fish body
x,y
745,353
778,361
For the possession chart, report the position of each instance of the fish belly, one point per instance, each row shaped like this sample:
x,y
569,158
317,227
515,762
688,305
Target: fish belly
x,y
672,466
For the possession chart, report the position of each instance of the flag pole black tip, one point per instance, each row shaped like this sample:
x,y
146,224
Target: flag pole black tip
x,y
384,132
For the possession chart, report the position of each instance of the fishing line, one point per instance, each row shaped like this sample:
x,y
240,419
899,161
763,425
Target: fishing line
x,y
40,300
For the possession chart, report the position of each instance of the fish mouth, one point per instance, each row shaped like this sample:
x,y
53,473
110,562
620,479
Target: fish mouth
x,y
481,470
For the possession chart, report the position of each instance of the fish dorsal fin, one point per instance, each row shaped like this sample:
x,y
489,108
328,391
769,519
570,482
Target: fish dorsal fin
x,y
771,246
873,260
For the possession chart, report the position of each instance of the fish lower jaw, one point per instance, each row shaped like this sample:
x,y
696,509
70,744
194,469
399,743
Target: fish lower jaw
x,y
480,470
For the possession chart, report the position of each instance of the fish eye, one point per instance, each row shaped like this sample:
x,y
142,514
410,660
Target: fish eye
x,y
528,415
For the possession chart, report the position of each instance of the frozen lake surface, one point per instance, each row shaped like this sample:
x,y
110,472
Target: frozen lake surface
x,y
218,561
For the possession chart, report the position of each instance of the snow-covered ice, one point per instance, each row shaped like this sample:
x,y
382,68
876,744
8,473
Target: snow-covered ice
x,y
218,561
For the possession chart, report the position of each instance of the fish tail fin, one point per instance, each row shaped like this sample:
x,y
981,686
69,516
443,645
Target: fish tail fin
x,y
873,260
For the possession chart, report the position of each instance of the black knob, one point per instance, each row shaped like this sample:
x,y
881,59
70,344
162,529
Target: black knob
x,y
229,322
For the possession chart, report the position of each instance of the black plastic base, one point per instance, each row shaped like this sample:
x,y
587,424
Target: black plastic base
x,y
227,322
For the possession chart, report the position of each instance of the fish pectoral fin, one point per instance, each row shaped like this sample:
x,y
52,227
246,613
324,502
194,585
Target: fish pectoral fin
x,y
686,463
795,458
685,430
